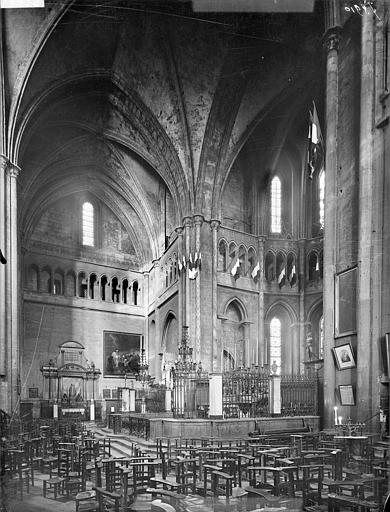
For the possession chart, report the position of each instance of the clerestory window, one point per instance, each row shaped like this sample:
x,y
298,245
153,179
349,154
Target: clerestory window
x,y
88,224
276,205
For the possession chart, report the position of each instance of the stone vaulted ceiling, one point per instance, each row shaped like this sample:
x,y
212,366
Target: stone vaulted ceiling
x,y
123,98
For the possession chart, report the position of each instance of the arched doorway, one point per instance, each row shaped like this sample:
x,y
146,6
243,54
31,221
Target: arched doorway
x,y
169,346
233,337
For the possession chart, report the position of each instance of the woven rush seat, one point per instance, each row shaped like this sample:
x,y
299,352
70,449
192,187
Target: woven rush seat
x,y
55,485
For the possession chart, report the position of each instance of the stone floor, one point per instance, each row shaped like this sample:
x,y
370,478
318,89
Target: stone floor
x,y
35,502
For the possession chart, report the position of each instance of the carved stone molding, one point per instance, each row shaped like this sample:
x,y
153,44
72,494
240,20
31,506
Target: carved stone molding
x,y
187,222
11,169
214,224
198,220
3,163
332,39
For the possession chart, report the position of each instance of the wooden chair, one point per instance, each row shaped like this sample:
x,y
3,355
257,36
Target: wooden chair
x,y
107,500
186,474
18,472
56,485
312,484
86,501
171,498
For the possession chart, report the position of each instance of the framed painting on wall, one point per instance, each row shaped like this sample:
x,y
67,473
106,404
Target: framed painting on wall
x,y
33,393
346,395
344,357
121,353
345,303
385,352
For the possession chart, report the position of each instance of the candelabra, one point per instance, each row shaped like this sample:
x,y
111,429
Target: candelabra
x,y
186,374
185,363
143,377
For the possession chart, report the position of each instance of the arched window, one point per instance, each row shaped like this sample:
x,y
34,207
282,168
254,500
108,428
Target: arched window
x,y
222,256
88,225
135,293
58,286
125,287
276,205
321,198
321,337
275,344
228,361
92,285
32,278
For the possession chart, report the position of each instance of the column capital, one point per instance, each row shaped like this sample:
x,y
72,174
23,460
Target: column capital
x,y
13,170
214,224
198,220
187,222
332,39
7,166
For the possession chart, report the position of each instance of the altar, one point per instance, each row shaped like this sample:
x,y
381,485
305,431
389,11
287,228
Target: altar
x,y
69,381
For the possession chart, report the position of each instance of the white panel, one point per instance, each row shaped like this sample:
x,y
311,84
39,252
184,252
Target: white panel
x,y
20,4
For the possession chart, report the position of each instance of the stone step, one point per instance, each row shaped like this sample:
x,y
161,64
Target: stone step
x,y
123,445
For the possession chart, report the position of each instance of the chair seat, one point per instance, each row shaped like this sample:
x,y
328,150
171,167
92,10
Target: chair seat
x,y
54,480
86,501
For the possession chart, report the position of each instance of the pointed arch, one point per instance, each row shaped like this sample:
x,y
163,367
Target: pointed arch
x,y
235,301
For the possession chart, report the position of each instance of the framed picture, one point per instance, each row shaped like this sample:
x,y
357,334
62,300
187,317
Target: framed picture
x,y
33,392
385,350
346,395
344,356
121,353
106,393
345,303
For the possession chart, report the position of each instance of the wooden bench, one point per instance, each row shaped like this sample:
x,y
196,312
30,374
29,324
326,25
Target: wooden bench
x,y
274,432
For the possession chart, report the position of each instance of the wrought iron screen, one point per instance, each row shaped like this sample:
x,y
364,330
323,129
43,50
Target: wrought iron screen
x,y
299,395
246,393
190,394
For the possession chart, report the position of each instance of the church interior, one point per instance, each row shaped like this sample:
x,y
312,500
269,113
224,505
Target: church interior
x,y
194,276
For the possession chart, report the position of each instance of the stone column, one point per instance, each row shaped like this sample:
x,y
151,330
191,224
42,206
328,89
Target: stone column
x,y
156,270
146,321
3,165
187,294
215,395
364,289
3,372
330,235
12,288
214,225
276,397
299,353
246,359
260,355
198,221
181,288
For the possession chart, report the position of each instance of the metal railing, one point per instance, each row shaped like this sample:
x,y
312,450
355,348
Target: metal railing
x,y
190,394
245,393
299,395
